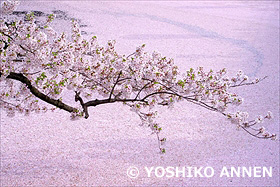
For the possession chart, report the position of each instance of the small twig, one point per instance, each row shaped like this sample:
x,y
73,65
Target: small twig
x,y
7,35
141,90
8,103
27,49
131,54
115,85
155,93
33,73
250,83
255,135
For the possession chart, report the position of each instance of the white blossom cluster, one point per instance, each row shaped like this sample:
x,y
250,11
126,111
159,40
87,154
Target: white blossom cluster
x,y
141,80
7,7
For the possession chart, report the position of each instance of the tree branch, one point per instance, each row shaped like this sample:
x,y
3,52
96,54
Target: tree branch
x,y
249,83
20,77
115,85
141,90
85,108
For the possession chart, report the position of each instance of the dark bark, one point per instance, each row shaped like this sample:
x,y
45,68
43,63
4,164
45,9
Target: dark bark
x,y
23,79
20,77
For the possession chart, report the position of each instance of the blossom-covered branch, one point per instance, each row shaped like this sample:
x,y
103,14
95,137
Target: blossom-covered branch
x,y
47,63
20,77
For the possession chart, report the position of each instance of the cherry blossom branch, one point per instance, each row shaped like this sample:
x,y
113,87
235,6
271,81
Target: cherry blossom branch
x,y
1,100
249,83
85,108
20,77
142,90
115,85
140,80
